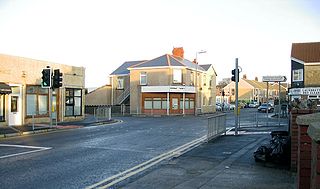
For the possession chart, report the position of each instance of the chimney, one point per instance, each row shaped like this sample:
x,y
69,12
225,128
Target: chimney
x,y
244,76
178,52
256,78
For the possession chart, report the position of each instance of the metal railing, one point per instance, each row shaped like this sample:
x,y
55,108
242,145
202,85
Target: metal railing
x,y
123,96
102,113
216,126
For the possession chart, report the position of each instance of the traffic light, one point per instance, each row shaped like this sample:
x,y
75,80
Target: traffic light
x,y
233,78
46,78
57,79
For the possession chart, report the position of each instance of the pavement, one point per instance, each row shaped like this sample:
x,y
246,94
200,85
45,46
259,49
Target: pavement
x,y
12,131
223,163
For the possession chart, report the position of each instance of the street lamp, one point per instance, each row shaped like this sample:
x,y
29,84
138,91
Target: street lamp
x,y
196,83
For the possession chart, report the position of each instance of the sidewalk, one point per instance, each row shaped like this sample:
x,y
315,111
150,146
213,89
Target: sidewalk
x,y
11,131
226,162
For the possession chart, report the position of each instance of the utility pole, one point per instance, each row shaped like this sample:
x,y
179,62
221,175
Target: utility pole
x,y
237,102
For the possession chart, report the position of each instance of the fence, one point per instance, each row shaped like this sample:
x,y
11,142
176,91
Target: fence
x,y
216,126
102,113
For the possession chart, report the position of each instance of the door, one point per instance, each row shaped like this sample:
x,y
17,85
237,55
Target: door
x,y
175,106
15,106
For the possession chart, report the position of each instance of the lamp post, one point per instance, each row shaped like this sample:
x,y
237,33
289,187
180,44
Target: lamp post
x,y
196,83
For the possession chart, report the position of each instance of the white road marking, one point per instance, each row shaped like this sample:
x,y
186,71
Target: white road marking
x,y
36,149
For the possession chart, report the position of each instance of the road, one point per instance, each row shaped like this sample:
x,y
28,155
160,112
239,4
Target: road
x,y
81,157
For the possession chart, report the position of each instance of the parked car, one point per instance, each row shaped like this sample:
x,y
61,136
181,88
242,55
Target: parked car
x,y
232,106
264,107
253,105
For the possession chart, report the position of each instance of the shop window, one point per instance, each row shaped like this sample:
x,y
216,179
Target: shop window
x,y
2,109
191,103
177,76
37,101
156,103
73,102
143,78
148,103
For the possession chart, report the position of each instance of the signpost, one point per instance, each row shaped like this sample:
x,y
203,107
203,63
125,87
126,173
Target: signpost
x,y
279,79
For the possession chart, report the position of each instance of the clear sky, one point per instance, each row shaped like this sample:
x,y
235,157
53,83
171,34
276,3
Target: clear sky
x,y
102,34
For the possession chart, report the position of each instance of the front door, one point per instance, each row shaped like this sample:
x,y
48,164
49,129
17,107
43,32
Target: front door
x,y
15,108
175,106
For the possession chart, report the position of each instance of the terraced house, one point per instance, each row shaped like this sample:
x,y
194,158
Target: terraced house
x,y
23,100
165,85
254,90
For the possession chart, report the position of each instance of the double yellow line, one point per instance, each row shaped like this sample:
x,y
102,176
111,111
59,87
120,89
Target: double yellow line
x,y
143,166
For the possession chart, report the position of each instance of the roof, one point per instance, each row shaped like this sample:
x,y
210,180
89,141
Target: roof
x,y
123,69
205,66
306,52
168,60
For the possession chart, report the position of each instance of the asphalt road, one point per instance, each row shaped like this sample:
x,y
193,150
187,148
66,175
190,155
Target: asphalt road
x,y
81,157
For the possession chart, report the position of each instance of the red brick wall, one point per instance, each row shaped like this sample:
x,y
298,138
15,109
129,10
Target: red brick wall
x,y
304,158
294,131
315,166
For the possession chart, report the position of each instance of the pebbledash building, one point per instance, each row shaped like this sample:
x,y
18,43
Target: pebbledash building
x,y
165,85
23,100
305,71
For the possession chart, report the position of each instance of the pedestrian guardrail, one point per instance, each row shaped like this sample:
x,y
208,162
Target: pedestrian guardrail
x,y
102,113
216,126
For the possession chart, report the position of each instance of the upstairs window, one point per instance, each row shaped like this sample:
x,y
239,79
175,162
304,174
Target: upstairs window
x,y
120,83
143,78
297,75
177,76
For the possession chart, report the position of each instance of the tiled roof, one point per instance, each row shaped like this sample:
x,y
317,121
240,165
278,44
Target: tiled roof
x,y
307,52
123,69
206,66
168,60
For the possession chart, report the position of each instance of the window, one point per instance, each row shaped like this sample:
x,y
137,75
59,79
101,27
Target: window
x,y
37,101
73,102
297,75
177,76
2,112
143,78
120,83
155,103
204,80
204,101
192,78
210,82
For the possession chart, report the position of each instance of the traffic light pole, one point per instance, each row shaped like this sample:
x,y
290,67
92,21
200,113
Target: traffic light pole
x,y
236,95
50,105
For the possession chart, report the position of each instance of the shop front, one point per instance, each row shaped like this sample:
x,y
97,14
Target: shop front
x,y
168,100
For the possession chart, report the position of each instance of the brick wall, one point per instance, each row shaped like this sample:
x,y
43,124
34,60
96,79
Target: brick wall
x,y
304,158
294,133
314,133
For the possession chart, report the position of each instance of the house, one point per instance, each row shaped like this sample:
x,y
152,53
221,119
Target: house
x,y
305,70
165,85
254,91
23,100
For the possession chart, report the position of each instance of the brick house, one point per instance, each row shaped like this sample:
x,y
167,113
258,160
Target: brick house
x,y
166,85
22,97
305,70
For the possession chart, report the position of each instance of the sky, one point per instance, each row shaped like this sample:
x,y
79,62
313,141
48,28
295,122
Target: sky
x,y
100,35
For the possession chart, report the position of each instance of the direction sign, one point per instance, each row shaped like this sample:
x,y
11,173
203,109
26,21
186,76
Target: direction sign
x,y
277,78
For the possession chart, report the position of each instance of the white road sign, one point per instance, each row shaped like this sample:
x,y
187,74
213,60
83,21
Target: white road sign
x,y
277,78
